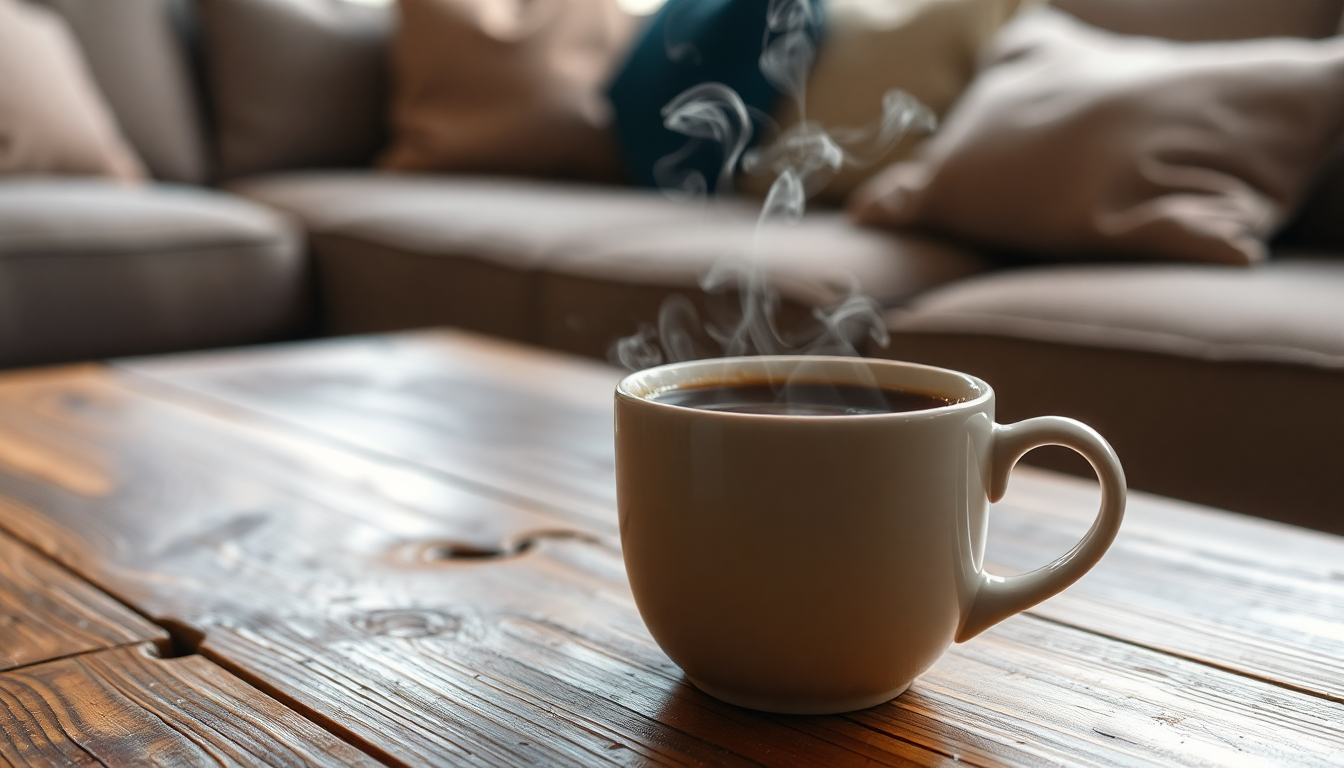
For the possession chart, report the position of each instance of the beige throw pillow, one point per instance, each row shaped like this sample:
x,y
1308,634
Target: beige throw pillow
x,y
506,86
53,120
1076,143
134,50
927,48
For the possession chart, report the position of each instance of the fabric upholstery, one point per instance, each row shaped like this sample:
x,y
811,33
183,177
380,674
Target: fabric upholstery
x,y
136,53
52,117
1216,386
505,87
297,83
1079,143
1288,310
606,284
570,266
1210,19
92,269
928,49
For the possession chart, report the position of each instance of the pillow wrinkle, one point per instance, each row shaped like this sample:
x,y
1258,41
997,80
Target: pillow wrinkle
x,y
1199,236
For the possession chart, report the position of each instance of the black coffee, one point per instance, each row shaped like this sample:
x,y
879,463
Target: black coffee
x,y
801,399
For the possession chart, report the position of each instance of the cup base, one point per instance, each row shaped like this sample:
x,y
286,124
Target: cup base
x,y
797,707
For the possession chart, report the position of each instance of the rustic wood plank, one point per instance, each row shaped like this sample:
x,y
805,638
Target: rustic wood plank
x,y
180,481
1263,599
297,565
46,612
1079,699
228,530
124,707
516,420
1027,693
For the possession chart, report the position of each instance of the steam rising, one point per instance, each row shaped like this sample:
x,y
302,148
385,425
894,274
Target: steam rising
x,y
803,159
708,111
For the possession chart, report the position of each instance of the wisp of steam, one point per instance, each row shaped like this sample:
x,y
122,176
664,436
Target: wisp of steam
x,y
802,159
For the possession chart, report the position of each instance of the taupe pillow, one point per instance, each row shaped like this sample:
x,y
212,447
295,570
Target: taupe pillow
x,y
297,83
506,87
1210,19
1076,143
53,120
136,50
928,49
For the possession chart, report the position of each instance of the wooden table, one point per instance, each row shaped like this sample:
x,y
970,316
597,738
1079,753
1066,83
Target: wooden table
x,y
404,550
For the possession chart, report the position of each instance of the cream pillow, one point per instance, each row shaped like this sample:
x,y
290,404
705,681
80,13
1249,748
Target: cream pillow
x,y
1077,143
506,86
927,48
53,120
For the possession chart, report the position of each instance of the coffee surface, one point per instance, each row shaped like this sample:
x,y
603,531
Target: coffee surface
x,y
801,399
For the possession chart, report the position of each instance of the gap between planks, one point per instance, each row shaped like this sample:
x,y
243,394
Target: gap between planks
x,y
1287,686
183,641
133,627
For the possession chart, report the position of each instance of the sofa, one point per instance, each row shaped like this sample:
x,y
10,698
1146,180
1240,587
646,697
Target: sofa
x,y
1221,386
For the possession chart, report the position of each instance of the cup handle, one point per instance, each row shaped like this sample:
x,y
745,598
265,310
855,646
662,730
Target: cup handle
x,y
998,597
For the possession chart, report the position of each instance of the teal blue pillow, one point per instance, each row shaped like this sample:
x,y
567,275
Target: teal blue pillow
x,y
687,44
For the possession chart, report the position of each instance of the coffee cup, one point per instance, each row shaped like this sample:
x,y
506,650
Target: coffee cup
x,y
817,560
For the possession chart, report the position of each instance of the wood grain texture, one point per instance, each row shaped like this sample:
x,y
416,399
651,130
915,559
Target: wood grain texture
x,y
310,571
46,612
274,517
125,707
1263,599
509,419
574,687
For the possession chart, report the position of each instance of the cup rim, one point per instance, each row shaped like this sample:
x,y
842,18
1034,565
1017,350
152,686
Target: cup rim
x,y
979,389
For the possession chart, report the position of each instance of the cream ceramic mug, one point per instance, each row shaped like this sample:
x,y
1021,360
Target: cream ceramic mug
x,y
819,564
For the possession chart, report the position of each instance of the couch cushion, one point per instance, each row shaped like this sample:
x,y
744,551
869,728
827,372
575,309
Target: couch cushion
x,y
1215,385
136,51
569,266
297,83
1288,311
92,269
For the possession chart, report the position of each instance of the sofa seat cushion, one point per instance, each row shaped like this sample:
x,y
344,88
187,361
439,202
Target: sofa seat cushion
x,y
92,269
1287,311
570,266
1219,386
